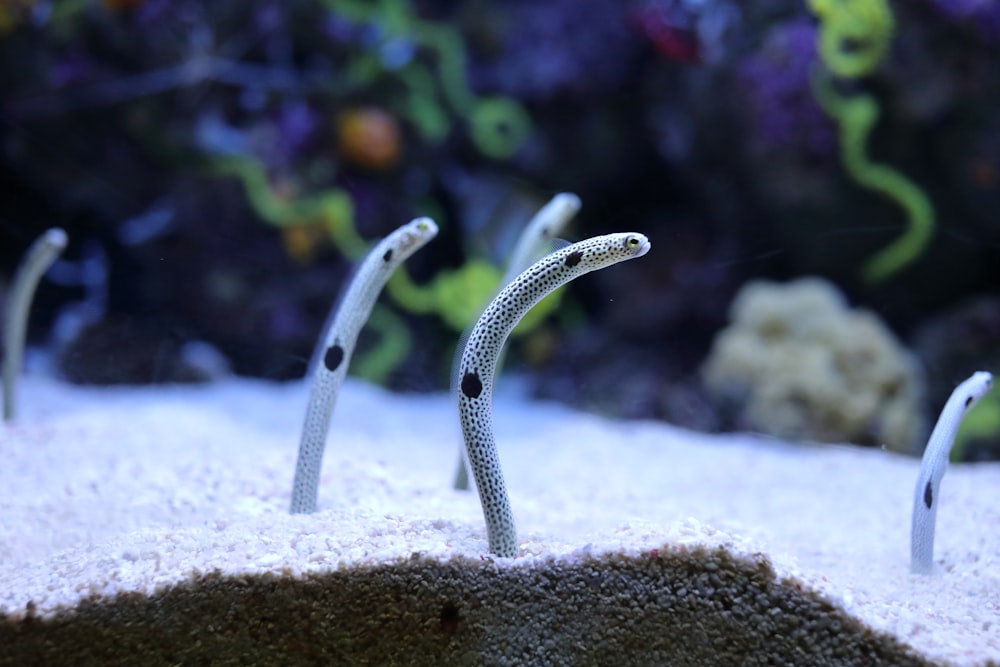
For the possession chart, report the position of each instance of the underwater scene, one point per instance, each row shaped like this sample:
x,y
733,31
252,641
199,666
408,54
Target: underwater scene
x,y
525,332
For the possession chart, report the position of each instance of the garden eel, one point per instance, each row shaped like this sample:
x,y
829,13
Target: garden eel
x,y
479,363
329,364
37,260
547,224
933,466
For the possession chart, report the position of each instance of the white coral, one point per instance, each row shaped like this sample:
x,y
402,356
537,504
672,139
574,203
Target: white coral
x,y
800,363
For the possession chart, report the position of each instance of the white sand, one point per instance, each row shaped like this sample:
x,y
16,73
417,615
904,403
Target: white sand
x,y
109,490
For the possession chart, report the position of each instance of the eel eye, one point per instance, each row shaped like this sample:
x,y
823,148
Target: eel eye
x,y
632,242
422,226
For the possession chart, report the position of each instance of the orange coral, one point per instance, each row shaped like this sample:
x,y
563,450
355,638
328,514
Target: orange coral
x,y
302,242
369,137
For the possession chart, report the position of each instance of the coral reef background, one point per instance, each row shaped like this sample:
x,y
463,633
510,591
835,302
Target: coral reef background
x,y
219,166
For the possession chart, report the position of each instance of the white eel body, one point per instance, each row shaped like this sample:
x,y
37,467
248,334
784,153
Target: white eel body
x,y
479,361
36,262
546,225
933,466
330,362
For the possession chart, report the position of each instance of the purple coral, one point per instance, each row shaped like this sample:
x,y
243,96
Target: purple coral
x,y
289,133
776,82
72,68
554,48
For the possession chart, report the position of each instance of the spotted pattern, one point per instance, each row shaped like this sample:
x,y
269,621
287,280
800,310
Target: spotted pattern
x,y
534,241
338,344
483,348
933,466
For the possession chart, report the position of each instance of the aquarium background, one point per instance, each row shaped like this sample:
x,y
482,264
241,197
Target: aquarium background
x,y
220,167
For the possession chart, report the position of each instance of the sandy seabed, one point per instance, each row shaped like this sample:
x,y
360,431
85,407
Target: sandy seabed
x,y
154,522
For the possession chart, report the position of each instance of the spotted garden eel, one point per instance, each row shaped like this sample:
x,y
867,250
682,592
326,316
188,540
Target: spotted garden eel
x,y
36,262
329,364
933,466
479,361
545,226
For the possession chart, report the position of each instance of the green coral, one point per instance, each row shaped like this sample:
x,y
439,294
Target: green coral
x,y
334,209
432,90
458,295
856,116
377,364
498,126
455,295
854,36
982,422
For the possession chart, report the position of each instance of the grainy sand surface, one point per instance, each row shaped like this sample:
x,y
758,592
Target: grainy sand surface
x,y
105,491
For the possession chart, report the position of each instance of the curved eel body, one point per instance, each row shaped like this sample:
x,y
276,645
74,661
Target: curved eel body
x,y
329,365
933,466
479,361
37,260
545,226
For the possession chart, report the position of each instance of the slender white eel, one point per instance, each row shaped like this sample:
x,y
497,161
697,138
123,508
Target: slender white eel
x,y
329,365
926,495
479,361
36,262
546,225
542,229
